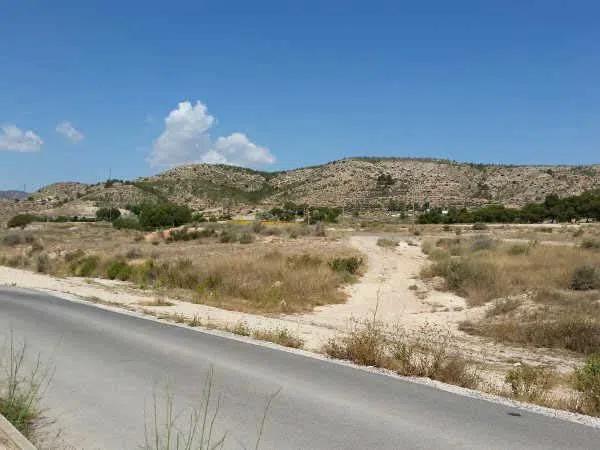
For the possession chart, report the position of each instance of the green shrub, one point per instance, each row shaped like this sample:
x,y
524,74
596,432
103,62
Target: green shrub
x,y
587,381
119,270
21,220
325,214
127,223
585,278
108,214
198,217
87,266
529,382
349,265
156,215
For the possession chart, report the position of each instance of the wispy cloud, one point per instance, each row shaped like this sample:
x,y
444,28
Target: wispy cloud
x,y
186,139
14,139
67,129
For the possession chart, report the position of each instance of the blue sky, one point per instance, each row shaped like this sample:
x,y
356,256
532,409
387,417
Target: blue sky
x,y
281,84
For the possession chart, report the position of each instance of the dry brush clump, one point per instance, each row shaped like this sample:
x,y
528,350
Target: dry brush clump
x,y
426,353
530,383
387,242
280,336
546,296
483,270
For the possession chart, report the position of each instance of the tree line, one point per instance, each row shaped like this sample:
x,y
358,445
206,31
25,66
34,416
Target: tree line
x,y
553,209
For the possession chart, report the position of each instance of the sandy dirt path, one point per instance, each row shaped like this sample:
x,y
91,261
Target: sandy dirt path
x,y
391,286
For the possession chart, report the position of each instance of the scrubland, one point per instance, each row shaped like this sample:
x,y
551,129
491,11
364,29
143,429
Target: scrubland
x,y
250,267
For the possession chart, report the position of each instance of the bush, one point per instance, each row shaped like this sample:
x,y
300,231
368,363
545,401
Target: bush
x,y
385,242
119,270
325,214
591,244
482,243
587,381
364,345
21,220
480,226
108,214
11,240
246,238
528,382
227,236
86,267
427,355
127,223
281,336
163,215
198,217
585,278
42,264
349,265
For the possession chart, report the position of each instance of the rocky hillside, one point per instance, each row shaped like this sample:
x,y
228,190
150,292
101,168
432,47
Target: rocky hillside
x,y
354,182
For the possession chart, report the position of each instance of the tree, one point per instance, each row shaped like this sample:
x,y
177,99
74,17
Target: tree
x,y
21,220
163,215
108,214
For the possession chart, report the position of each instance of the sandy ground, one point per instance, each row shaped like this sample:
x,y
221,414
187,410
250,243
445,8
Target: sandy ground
x,y
391,289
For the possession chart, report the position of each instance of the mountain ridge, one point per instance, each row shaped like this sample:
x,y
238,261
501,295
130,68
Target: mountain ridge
x,y
358,182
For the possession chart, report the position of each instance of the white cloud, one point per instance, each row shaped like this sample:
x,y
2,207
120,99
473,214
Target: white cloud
x,y
69,131
237,147
186,139
14,139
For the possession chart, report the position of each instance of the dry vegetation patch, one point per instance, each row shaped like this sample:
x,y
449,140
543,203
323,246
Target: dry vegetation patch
x,y
543,295
246,268
425,353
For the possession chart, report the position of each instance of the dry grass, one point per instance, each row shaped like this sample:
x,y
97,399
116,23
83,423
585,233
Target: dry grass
x,y
425,353
251,272
280,336
544,295
530,383
482,271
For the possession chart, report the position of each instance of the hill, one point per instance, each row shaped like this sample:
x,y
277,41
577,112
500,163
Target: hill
x,y
352,182
13,195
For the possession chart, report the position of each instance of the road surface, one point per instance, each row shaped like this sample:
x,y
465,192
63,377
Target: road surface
x,y
108,365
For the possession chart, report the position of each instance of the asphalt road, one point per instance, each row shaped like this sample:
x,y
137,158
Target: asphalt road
x,y
109,365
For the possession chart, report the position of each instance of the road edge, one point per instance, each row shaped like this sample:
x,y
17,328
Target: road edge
x,y
13,437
